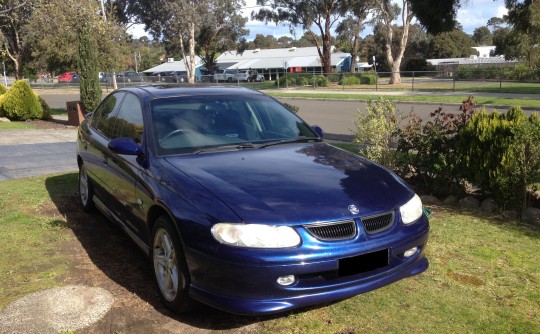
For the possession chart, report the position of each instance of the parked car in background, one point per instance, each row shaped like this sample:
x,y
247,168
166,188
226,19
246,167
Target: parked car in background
x,y
228,75
68,77
250,76
129,76
240,204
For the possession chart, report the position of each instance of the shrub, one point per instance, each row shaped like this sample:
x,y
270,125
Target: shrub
x,y
320,81
286,81
2,111
3,89
368,79
501,154
376,131
350,81
20,102
46,109
429,152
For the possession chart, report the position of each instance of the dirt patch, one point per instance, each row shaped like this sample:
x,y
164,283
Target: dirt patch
x,y
100,255
52,124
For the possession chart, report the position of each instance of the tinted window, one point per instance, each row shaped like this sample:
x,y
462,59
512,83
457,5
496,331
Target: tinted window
x,y
103,118
129,121
187,124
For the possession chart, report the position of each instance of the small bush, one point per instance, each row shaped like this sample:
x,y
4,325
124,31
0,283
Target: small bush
x,y
368,79
501,154
429,151
320,81
20,102
3,89
47,116
2,111
350,81
376,131
286,81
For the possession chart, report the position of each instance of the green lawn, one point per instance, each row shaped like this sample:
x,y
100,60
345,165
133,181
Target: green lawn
x,y
409,98
484,275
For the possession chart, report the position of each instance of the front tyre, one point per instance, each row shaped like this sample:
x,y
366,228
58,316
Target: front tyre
x,y
169,264
86,191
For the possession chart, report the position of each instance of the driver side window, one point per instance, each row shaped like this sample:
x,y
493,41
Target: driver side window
x,y
129,122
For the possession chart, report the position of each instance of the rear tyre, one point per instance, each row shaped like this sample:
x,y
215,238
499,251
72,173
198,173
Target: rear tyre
x,y
86,190
170,268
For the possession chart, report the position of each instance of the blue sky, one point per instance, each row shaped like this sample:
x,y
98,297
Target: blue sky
x,y
473,14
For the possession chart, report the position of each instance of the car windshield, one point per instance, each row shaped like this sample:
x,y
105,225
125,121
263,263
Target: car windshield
x,y
210,123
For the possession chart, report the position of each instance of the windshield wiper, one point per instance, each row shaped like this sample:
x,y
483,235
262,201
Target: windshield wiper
x,y
291,140
242,146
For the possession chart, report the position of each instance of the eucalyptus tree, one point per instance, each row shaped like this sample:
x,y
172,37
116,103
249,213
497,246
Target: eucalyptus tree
x,y
387,13
352,25
14,15
306,14
183,22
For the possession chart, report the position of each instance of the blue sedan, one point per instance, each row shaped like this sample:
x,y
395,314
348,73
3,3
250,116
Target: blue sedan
x,y
240,204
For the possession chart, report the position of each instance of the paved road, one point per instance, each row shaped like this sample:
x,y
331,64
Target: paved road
x,y
25,153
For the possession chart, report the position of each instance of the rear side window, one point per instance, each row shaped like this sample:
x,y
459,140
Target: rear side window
x,y
103,118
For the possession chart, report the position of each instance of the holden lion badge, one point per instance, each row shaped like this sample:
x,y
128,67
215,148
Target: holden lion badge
x,y
353,209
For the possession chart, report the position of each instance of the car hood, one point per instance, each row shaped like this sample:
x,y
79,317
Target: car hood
x,y
295,183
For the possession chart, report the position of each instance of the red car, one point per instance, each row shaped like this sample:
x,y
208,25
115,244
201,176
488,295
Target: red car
x,y
68,77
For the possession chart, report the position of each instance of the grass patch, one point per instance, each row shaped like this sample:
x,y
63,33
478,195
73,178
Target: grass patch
x,y
410,98
484,277
58,111
32,236
16,126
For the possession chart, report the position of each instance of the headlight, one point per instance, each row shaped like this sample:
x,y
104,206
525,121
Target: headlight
x,y
256,235
411,211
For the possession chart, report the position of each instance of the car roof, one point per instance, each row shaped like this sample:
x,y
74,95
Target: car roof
x,y
163,91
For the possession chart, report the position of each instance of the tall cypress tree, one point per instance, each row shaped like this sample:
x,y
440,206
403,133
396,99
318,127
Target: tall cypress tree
x,y
88,67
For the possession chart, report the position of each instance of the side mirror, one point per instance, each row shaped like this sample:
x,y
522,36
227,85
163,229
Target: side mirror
x,y
125,145
318,130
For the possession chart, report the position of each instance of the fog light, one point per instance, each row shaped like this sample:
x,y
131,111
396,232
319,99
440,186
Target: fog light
x,y
410,252
286,280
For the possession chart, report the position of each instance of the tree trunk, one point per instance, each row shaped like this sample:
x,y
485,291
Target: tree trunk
x,y
192,60
395,61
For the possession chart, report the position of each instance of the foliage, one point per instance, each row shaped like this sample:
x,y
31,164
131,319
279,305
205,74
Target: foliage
x,y
524,35
306,14
90,89
47,115
387,12
3,89
500,153
376,130
20,102
519,72
320,81
14,16
436,16
417,64
453,44
482,36
350,81
429,151
2,111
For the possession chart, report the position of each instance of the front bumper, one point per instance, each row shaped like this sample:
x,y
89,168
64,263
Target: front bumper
x,y
245,288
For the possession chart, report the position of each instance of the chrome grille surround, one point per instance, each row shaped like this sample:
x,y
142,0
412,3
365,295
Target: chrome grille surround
x,y
378,223
333,231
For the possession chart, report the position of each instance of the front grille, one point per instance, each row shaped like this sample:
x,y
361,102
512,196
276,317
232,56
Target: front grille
x,y
378,223
333,231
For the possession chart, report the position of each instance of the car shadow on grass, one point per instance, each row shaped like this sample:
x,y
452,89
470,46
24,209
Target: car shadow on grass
x,y
127,270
